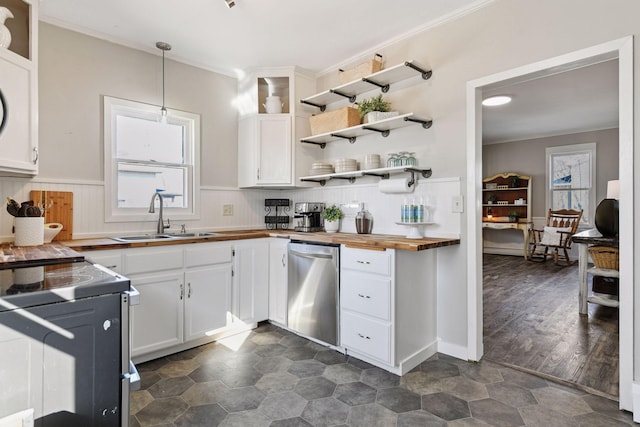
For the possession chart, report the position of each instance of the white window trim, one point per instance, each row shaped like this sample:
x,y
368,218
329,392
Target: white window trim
x,y
589,147
191,121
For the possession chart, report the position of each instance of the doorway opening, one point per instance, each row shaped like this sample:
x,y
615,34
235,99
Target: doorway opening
x,y
622,50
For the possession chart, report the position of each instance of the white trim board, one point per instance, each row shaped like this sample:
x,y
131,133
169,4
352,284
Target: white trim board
x,y
622,49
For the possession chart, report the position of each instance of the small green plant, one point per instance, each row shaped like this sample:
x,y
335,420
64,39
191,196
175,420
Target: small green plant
x,y
491,198
514,181
377,103
513,216
332,213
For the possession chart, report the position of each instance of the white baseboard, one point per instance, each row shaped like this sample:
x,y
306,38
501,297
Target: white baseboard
x,y
418,357
635,395
453,350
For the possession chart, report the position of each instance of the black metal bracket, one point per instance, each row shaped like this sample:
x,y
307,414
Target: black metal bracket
x,y
383,87
385,133
321,144
351,139
379,175
425,123
351,98
322,182
313,104
426,74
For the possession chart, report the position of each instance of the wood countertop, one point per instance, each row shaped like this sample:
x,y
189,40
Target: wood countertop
x,y
49,253
364,241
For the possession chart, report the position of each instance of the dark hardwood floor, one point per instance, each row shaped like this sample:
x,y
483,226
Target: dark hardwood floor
x,y
531,321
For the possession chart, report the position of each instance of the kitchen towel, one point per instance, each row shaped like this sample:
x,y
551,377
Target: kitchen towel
x,y
395,185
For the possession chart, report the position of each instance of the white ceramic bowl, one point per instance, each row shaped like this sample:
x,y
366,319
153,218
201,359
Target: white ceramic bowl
x,y
51,230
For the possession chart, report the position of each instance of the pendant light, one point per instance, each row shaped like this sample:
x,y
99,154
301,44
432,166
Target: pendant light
x,y
163,47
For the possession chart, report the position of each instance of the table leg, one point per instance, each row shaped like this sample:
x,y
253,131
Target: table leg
x,y
525,230
583,261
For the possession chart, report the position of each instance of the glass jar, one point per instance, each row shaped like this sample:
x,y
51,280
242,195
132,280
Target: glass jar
x,y
364,221
411,159
402,158
391,161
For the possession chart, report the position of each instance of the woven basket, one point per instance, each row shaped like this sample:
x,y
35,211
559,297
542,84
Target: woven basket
x,y
361,70
334,120
605,257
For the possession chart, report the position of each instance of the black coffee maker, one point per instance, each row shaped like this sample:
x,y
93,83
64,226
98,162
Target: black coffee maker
x,y
308,217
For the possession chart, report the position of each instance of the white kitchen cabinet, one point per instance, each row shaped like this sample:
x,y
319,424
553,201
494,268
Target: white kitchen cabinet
x,y
251,280
265,142
267,156
207,300
19,92
278,280
157,322
388,306
111,259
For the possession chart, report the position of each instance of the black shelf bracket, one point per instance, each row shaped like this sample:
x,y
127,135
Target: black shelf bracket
x,y
383,87
425,123
322,182
351,139
385,133
351,179
351,98
426,74
313,104
321,144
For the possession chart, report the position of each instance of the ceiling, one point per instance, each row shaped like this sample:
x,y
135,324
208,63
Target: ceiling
x,y
313,34
578,100
322,35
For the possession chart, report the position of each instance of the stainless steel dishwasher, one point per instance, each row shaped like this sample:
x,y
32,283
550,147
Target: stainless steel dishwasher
x,y
313,298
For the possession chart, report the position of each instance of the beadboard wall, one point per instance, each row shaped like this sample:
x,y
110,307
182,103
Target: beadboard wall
x,y
248,206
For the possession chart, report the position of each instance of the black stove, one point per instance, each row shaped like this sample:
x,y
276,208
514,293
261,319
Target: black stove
x,y
29,286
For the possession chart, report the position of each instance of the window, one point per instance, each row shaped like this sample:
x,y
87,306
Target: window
x,y
571,171
144,155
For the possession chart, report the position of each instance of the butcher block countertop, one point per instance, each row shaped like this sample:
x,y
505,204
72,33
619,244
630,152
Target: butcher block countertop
x,y
50,253
364,241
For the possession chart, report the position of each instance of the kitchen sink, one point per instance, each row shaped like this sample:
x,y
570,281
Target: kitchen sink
x,y
151,237
191,235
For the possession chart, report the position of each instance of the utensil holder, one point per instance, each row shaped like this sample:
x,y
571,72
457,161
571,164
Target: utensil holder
x,y
29,231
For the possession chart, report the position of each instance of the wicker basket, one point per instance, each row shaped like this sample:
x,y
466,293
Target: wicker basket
x,y
605,257
334,120
362,70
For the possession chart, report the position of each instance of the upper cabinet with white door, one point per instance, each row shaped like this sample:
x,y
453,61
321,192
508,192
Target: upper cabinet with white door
x,y
269,121
19,87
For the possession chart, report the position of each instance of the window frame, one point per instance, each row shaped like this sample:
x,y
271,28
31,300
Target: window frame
x,y
590,148
114,107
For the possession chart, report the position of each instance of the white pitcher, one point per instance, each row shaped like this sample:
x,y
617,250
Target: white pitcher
x,y
5,35
273,105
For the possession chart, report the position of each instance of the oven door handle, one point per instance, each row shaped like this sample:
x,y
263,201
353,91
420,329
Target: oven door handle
x,y
134,295
310,256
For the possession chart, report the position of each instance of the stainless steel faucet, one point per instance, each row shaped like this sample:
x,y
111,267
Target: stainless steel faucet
x,y
152,209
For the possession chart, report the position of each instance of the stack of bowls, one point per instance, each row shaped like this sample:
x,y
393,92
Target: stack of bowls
x,y
346,165
371,161
319,168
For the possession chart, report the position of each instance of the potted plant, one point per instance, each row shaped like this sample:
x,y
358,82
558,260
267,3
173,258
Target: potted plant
x,y
513,216
332,216
514,181
374,109
491,199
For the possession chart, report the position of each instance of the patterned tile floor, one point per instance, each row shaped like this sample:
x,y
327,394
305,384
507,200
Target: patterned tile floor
x,y
270,377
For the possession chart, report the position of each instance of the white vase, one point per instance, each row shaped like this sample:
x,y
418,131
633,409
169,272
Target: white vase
x,y
5,35
331,226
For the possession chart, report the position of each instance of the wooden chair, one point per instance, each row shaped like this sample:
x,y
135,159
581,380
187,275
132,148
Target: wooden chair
x,y
561,225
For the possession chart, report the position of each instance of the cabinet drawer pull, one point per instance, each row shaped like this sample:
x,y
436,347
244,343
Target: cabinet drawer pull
x,y
189,292
363,336
283,258
364,296
181,291
363,262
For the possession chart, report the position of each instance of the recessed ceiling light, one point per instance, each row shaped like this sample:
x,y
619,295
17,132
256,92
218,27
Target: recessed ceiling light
x,y
494,101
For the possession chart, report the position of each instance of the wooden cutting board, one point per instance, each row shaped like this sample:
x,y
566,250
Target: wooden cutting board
x,y
60,209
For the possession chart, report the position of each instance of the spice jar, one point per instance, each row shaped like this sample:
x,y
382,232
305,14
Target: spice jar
x,y
364,221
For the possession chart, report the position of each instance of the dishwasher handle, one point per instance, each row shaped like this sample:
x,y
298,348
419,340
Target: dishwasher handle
x,y
310,256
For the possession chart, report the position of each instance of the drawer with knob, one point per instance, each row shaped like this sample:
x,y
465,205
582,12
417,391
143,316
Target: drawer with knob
x,y
369,261
370,295
366,335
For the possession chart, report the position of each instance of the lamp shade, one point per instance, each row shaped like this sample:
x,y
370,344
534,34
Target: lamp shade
x,y
613,189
